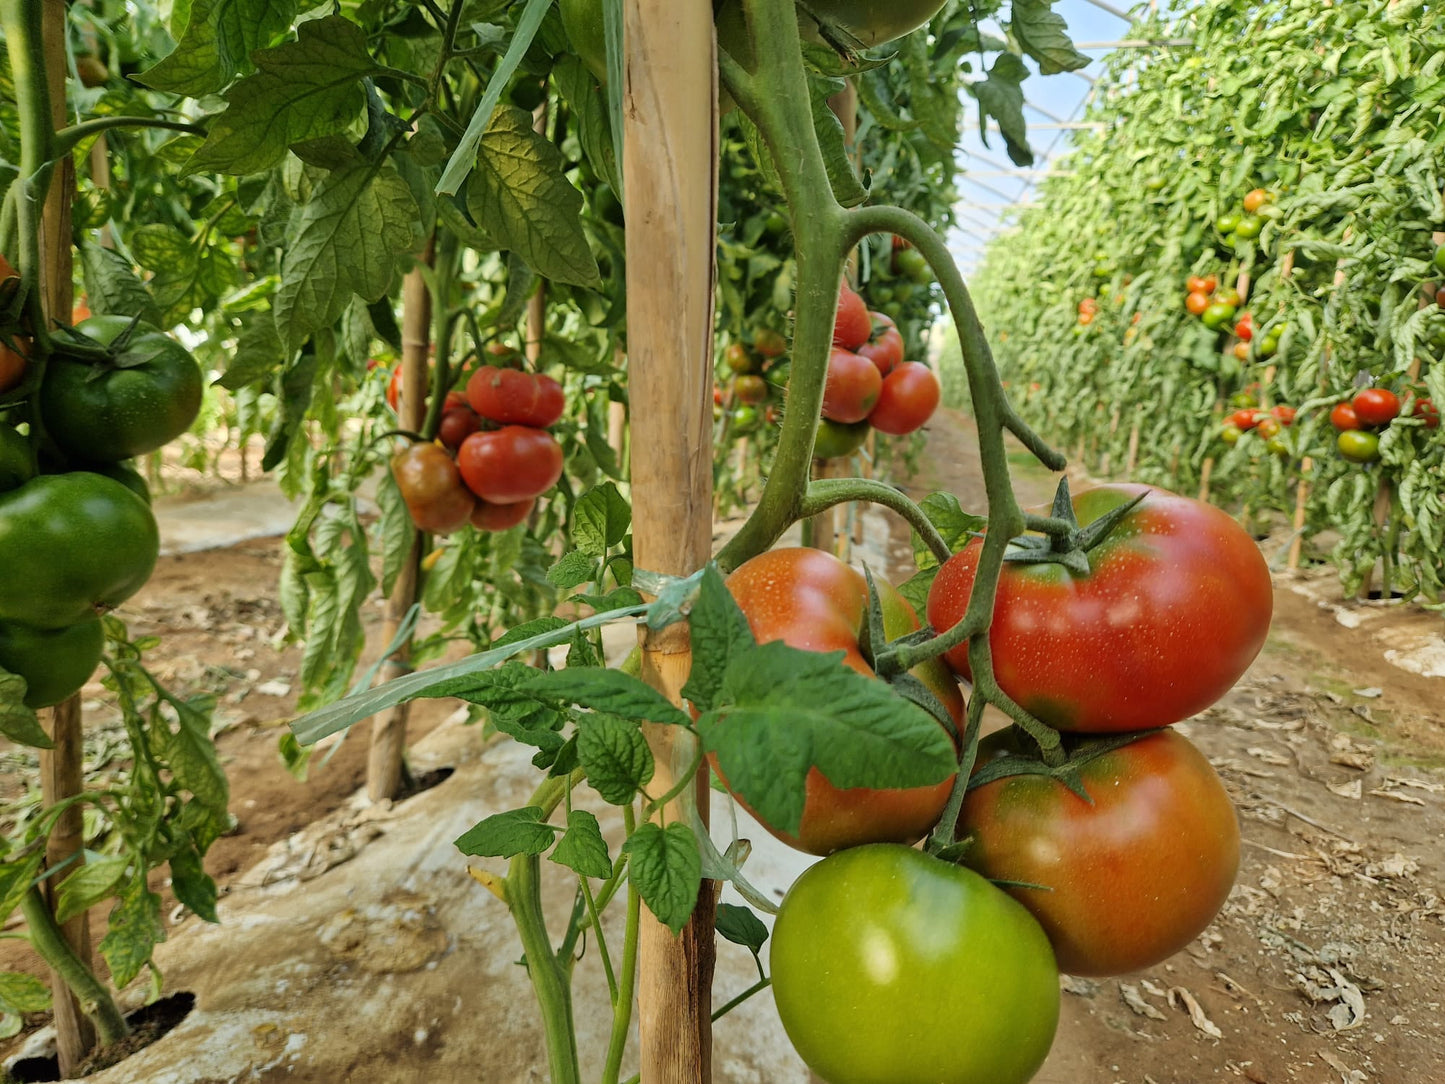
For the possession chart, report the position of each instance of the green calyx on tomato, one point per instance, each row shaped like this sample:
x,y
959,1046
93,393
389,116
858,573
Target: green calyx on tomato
x,y
1162,616
812,601
72,546
55,663
1132,842
148,394
890,965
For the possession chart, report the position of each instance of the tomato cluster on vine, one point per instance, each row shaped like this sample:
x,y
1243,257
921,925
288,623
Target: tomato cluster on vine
x,y
1359,422
869,385
493,456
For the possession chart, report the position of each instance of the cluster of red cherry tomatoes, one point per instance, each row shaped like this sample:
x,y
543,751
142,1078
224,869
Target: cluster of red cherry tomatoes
x,y
493,457
1268,424
1369,410
868,383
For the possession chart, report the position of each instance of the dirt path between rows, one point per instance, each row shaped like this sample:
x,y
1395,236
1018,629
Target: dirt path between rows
x,y
1325,966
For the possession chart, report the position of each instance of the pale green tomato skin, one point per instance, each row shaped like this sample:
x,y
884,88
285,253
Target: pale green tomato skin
x,y
893,967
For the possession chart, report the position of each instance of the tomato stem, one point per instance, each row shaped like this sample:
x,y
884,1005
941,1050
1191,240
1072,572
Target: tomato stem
x,y
825,493
756,988
622,1004
49,941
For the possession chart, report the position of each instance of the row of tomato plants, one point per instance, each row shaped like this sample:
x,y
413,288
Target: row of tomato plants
x,y
1299,180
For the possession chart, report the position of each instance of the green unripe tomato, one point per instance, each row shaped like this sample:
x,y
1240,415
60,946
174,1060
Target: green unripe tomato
x,y
838,439
1276,445
1249,227
874,23
582,20
98,414
1230,434
912,265
1440,259
55,663
72,546
745,420
16,467
1358,446
1217,315
890,965
1227,223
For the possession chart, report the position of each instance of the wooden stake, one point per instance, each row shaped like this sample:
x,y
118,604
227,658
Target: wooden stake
x,y
62,768
1301,503
670,138
1204,476
1133,459
386,773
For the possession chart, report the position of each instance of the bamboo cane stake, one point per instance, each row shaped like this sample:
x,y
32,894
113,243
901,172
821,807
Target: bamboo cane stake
x,y
386,774
62,768
670,138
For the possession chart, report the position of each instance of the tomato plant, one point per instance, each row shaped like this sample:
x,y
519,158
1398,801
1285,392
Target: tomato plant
x,y
890,965
1131,640
1126,877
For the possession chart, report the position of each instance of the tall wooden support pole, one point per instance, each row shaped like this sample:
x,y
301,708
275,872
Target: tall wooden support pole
x,y
670,169
62,768
386,759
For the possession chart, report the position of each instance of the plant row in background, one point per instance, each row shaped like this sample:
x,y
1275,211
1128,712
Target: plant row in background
x,y
1252,230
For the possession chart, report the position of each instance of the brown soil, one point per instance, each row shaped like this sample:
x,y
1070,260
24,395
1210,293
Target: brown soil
x,y
1325,965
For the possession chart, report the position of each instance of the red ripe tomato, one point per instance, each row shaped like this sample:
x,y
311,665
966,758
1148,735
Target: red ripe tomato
x,y
1206,284
1086,318
1241,351
393,391
909,397
1283,414
12,364
457,425
1175,607
1376,406
811,600
1268,426
851,326
1343,417
852,387
1246,419
1129,877
1244,330
886,349
432,488
501,517
1089,304
1424,408
1254,199
512,397
514,463
1196,303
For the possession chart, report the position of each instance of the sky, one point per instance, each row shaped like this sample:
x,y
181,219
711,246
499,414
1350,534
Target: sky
x,y
986,194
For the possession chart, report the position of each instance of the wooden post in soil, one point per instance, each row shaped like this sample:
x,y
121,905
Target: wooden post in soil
x,y
386,759
670,169
62,768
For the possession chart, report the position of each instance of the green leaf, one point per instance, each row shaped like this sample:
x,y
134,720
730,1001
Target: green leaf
x,y
302,90
955,525
503,835
615,756
1001,96
609,691
519,194
665,866
784,712
463,157
345,241
217,44
23,993
112,286
259,354
88,885
740,926
590,115
191,883
847,189
15,881
1043,35
720,634
513,708
583,849
135,930
192,757
18,722
398,532
573,570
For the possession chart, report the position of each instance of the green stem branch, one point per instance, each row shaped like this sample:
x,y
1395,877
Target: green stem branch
x,y
622,1003
827,492
756,988
49,941
67,139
